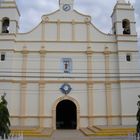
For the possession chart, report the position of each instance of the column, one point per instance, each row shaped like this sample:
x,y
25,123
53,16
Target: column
x,y
0,26
42,62
42,87
89,87
73,30
87,21
43,31
23,87
41,103
45,20
108,91
58,30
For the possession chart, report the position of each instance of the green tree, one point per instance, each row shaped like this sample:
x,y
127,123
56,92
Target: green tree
x,y
4,118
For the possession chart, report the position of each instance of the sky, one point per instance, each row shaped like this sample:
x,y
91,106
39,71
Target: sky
x,y
100,10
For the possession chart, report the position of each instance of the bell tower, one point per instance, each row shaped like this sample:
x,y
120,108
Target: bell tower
x,y
9,17
123,19
124,30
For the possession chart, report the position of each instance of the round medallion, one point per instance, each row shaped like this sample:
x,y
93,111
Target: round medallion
x,y
65,88
66,7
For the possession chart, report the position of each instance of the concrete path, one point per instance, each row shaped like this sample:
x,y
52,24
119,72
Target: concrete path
x,y
74,135
68,135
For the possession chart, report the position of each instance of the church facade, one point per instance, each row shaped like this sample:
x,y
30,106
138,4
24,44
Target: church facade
x,y
67,74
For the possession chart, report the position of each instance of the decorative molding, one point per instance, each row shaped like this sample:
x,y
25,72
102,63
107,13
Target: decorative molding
x,y
70,81
88,51
63,41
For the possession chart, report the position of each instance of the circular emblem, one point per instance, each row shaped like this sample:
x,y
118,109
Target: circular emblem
x,y
66,88
66,7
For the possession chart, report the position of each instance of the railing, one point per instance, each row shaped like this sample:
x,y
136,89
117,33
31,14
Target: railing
x,y
13,136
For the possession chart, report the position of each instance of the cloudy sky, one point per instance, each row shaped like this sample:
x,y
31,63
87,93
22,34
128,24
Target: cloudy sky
x,y
100,11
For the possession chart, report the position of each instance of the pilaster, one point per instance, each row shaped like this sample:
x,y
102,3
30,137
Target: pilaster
x,y
87,21
58,30
108,91
0,26
89,87
42,62
43,30
73,30
23,87
42,86
41,104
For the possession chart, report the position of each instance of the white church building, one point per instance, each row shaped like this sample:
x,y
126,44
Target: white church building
x,y
67,74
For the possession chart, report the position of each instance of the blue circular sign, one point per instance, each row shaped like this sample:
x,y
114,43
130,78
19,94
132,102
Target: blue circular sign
x,y
66,88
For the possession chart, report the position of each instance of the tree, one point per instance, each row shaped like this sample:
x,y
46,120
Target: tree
x,y
4,118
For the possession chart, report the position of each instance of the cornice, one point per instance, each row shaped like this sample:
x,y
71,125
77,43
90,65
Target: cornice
x,y
11,7
91,52
61,41
81,116
69,81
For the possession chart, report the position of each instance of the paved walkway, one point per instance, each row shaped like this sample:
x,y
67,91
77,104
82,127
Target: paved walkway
x,y
74,135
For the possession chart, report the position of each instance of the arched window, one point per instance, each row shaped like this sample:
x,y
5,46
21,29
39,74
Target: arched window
x,y
126,26
5,25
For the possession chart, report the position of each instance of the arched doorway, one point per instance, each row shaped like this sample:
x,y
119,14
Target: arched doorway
x,y
66,115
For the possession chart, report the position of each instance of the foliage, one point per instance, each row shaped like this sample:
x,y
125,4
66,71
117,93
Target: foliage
x,y
4,118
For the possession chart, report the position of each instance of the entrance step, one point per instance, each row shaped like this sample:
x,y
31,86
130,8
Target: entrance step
x,y
32,132
87,131
95,129
47,131
108,131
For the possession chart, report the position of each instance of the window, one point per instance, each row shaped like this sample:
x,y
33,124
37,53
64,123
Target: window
x,y
114,28
126,26
2,57
128,57
67,65
5,25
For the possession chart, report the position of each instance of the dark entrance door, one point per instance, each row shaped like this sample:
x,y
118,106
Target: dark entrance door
x,y
66,116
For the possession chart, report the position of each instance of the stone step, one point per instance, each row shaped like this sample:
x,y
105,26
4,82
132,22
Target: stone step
x,y
38,132
109,131
87,131
94,129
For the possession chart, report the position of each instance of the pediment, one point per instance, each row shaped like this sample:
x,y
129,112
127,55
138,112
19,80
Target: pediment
x,y
66,16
